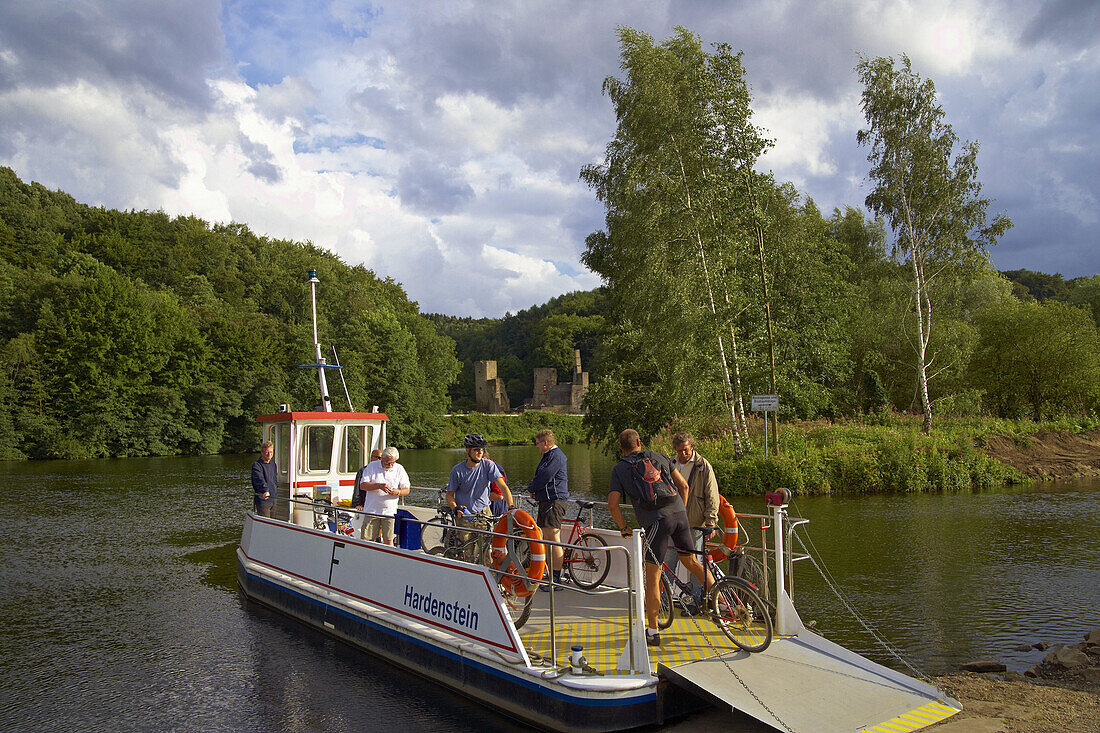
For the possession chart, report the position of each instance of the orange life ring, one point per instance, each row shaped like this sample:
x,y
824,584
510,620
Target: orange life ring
x,y
537,566
729,541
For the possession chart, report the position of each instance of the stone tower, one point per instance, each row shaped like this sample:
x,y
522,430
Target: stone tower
x,y
489,394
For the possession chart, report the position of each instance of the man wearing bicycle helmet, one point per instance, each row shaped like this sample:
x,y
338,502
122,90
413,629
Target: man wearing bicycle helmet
x,y
664,520
468,485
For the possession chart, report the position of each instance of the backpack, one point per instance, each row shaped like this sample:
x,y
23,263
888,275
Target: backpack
x,y
648,487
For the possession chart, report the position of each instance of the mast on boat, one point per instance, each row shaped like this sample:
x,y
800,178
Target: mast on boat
x,y
326,400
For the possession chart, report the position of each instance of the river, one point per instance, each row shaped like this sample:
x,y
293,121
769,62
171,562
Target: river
x,y
120,609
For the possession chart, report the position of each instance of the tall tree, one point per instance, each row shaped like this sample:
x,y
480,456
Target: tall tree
x,y
926,187
665,182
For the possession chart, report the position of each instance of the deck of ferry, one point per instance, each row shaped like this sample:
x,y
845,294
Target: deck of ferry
x,y
802,682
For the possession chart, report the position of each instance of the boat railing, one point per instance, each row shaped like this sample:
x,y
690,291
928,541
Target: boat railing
x,y
746,523
610,552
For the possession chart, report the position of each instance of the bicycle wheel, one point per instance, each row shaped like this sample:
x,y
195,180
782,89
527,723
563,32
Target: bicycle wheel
x,y
738,611
748,568
588,568
664,613
451,553
518,608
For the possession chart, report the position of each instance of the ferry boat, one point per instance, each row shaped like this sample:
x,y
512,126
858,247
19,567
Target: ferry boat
x,y
579,660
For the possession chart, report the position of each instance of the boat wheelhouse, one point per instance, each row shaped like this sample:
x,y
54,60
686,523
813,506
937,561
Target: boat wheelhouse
x,y
319,453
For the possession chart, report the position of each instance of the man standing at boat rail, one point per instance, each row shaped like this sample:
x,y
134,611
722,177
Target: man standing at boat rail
x,y
703,499
380,485
657,491
468,485
265,481
550,488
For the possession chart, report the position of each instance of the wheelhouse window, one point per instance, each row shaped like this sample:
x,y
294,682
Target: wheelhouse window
x,y
280,437
317,445
357,442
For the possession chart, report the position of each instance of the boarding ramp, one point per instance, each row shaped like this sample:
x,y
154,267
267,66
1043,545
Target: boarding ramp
x,y
807,683
802,682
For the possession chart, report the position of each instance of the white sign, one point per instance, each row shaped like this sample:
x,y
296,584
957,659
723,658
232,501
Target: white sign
x,y
765,403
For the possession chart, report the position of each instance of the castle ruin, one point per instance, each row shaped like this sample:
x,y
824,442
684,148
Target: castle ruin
x,y
489,394
553,397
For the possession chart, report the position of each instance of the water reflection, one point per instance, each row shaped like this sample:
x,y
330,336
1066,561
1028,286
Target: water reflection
x,y
119,607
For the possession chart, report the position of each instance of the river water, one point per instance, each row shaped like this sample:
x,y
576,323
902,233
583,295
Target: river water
x,y
119,608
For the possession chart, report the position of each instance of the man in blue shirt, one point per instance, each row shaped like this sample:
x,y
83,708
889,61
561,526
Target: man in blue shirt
x,y
265,481
550,488
468,485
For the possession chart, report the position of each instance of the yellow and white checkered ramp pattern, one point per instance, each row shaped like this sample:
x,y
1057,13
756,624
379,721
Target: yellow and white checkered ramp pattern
x,y
915,719
604,639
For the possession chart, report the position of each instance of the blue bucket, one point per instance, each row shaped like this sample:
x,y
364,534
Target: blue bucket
x,y
407,530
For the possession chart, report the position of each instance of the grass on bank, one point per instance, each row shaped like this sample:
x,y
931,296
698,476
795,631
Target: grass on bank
x,y
513,429
881,453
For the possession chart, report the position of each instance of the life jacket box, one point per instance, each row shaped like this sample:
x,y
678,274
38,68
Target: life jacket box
x,y
407,530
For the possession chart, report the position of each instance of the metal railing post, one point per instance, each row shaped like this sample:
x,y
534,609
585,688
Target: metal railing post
x,y
637,588
780,568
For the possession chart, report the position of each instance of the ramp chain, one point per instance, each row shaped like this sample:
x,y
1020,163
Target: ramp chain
x,y
835,588
718,653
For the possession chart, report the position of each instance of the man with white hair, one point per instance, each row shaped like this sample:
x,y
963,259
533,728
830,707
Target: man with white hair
x,y
378,488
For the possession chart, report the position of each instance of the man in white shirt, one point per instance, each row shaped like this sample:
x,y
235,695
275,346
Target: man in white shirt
x,y
381,484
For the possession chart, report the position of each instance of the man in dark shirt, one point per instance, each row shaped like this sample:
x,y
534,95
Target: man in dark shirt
x,y
265,481
550,488
664,523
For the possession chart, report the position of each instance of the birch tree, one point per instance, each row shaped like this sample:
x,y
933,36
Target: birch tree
x,y
679,111
926,188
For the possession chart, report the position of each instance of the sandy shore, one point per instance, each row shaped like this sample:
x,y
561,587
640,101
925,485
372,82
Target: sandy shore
x,y
1019,706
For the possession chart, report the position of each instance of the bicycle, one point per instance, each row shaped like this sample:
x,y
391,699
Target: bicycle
x,y
476,550
732,604
328,518
587,568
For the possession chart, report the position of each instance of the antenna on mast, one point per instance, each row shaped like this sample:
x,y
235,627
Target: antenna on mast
x,y
326,401
344,381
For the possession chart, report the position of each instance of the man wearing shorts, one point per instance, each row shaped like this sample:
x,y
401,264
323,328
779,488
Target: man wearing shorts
x,y
381,483
666,523
550,488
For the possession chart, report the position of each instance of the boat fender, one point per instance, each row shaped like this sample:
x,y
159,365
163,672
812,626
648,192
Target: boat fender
x,y
729,540
535,568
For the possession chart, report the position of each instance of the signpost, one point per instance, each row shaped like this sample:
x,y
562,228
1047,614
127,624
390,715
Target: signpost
x,y
765,403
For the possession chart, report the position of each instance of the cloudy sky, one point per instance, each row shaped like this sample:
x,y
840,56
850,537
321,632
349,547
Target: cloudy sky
x,y
439,143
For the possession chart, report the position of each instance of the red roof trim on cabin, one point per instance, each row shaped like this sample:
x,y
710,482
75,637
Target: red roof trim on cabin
x,y
284,416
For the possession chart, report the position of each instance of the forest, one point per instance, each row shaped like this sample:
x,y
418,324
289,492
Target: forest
x,y
134,334
721,282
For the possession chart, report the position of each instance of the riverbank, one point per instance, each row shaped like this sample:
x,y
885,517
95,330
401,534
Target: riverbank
x,y
1048,454
885,453
991,705
889,454
1060,693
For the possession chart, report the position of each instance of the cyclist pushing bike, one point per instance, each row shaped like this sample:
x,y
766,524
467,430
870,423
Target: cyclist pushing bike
x,y
657,491
468,485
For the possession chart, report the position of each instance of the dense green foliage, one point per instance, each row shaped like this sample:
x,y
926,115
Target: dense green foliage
x,y
1080,291
513,429
885,453
541,336
1036,359
127,334
721,282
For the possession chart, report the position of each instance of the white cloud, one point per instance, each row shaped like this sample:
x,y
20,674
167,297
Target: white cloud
x,y
803,129
441,144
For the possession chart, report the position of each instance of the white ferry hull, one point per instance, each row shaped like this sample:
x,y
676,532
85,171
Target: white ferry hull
x,y
332,591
